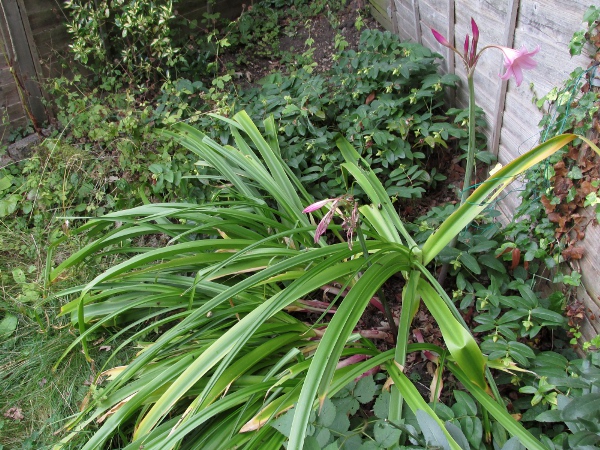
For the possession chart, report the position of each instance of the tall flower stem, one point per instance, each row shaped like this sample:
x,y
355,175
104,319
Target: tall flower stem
x,y
466,189
471,145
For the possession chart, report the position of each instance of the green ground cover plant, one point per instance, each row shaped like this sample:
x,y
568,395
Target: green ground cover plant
x,y
395,116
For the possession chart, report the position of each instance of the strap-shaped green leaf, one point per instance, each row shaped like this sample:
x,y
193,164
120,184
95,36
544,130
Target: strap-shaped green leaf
x,y
487,192
460,342
368,180
322,368
415,401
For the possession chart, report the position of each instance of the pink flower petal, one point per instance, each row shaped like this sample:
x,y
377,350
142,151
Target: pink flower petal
x,y
316,205
351,360
372,371
323,224
475,30
441,39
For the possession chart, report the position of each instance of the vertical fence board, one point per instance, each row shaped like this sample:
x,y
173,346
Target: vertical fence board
x,y
417,20
507,41
405,16
433,14
383,14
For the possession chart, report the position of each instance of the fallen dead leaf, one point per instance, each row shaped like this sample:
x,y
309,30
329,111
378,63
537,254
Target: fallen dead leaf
x,y
14,413
570,253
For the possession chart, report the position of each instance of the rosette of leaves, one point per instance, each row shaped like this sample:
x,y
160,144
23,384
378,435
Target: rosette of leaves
x,y
221,354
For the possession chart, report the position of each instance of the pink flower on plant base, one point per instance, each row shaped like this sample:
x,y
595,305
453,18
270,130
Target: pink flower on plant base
x,y
475,30
326,220
317,205
515,61
350,219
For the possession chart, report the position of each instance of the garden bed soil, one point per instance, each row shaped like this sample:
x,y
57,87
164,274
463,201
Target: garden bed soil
x,y
319,28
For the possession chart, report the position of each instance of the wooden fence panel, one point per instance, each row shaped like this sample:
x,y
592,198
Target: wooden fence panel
x,y
47,20
12,114
20,56
383,11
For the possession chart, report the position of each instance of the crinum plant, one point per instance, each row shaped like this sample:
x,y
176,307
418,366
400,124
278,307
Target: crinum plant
x,y
221,351
226,355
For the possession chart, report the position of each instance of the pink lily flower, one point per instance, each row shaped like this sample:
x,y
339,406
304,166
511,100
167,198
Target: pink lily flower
x,y
441,39
475,30
515,61
326,220
468,58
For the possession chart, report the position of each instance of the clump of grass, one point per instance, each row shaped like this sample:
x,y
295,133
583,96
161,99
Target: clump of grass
x,y
35,401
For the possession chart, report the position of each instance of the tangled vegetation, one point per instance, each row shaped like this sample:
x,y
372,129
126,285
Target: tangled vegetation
x,y
179,258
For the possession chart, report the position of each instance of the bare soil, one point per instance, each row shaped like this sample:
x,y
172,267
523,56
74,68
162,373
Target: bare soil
x,y
320,29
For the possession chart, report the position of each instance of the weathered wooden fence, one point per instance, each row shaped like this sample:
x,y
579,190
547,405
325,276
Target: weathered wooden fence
x,y
33,37
511,113
20,69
